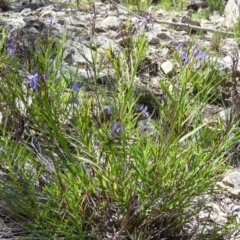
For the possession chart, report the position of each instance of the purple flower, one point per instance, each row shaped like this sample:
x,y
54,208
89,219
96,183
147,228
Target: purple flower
x,y
148,18
33,80
108,110
51,21
64,26
195,53
1,149
75,87
44,76
179,46
186,61
194,47
145,20
10,49
183,55
117,129
200,55
144,111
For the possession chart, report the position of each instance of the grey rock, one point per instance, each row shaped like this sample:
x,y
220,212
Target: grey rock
x,y
231,13
103,43
225,114
30,18
26,12
99,30
152,39
146,127
33,6
39,25
112,23
167,68
164,36
12,24
231,182
75,53
72,73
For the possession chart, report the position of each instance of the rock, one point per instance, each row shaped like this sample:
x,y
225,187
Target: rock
x,y
112,23
72,73
75,53
103,43
167,68
231,182
231,13
164,36
225,114
154,40
33,6
146,127
227,61
26,12
99,30
165,52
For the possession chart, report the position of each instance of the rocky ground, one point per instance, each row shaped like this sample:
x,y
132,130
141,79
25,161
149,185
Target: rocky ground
x,y
103,26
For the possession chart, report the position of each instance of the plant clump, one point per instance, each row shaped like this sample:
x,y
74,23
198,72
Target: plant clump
x,y
99,159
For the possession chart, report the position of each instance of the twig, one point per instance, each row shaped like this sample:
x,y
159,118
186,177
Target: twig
x,y
189,26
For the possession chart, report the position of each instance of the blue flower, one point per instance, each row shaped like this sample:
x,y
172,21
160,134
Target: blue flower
x,y
186,61
64,26
44,76
145,21
33,80
108,110
200,55
195,53
1,149
51,21
10,49
179,46
183,55
194,47
117,129
75,87
144,111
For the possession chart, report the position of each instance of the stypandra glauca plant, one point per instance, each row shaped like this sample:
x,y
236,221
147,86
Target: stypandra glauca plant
x,y
75,164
